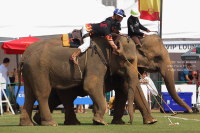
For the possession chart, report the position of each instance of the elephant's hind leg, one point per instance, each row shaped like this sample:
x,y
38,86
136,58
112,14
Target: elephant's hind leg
x,y
25,117
42,92
54,101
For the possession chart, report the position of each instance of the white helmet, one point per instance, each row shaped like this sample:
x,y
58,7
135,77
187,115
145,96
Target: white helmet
x,y
134,12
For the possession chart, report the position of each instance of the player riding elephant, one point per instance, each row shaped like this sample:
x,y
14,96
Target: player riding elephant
x,y
45,66
152,57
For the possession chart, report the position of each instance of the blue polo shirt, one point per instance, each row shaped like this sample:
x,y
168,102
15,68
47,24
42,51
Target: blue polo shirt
x,y
183,73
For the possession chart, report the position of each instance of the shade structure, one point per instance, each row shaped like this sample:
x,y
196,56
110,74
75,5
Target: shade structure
x,y
190,55
18,46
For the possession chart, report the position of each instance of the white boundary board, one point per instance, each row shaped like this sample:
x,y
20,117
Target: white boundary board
x,y
183,88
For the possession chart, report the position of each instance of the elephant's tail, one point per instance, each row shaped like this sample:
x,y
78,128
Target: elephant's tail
x,y
19,81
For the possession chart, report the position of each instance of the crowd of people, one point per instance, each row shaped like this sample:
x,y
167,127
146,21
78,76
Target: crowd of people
x,y
189,76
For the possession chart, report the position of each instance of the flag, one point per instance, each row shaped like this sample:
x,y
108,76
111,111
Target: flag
x,y
149,9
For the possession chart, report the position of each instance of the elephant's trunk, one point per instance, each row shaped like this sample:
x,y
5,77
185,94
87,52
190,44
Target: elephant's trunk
x,y
168,75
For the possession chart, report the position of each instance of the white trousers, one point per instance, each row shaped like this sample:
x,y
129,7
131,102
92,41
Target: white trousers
x,y
198,100
86,41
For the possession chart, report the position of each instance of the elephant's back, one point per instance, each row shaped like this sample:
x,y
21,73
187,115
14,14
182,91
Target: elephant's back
x,y
48,48
40,45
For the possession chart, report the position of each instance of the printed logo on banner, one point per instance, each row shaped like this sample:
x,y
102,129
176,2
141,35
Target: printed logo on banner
x,y
180,48
21,95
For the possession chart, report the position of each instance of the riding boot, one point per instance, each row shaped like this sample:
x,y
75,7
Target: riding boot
x,y
74,55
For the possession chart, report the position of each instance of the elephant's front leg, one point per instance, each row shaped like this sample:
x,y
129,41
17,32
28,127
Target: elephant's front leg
x,y
120,101
143,106
93,85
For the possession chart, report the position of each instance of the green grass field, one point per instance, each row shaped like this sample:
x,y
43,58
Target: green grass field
x,y
189,123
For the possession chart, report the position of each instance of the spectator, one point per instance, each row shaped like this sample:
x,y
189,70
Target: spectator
x,y
16,83
4,79
184,73
194,78
81,111
150,85
111,105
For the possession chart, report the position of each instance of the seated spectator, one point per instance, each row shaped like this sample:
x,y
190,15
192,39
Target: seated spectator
x,y
194,79
184,73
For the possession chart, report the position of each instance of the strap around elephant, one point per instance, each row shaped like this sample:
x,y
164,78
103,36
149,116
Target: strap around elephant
x,y
94,49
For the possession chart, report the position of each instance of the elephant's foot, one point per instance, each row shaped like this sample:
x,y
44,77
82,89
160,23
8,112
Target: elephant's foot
x,y
37,118
49,123
72,122
118,122
149,120
98,121
25,122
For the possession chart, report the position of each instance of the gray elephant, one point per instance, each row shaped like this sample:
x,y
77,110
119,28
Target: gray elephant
x,y
45,67
152,57
115,82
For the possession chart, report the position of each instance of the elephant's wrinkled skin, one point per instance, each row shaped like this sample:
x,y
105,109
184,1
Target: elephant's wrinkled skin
x,y
45,66
152,57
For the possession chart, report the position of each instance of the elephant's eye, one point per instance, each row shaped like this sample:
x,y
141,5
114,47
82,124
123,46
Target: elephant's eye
x,y
157,59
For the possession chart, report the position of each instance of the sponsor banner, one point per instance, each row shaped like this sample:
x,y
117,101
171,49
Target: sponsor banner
x,y
180,48
78,100
21,96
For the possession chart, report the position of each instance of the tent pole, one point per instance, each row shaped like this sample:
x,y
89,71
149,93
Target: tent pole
x,y
161,9
17,59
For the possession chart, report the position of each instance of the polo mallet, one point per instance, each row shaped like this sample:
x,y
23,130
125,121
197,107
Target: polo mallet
x,y
162,108
174,113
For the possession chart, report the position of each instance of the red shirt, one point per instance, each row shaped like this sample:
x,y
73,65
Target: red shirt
x,y
192,82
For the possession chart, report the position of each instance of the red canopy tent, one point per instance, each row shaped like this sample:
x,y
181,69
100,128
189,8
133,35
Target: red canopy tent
x,y
18,46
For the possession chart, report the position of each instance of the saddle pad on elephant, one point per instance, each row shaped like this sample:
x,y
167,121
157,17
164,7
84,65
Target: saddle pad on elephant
x,y
68,41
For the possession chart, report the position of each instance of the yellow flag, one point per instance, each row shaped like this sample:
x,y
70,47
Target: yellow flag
x,y
149,9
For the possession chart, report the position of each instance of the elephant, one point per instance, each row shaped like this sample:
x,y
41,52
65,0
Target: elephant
x,y
45,66
152,57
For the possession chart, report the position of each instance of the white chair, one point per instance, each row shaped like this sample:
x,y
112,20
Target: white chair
x,y
4,101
